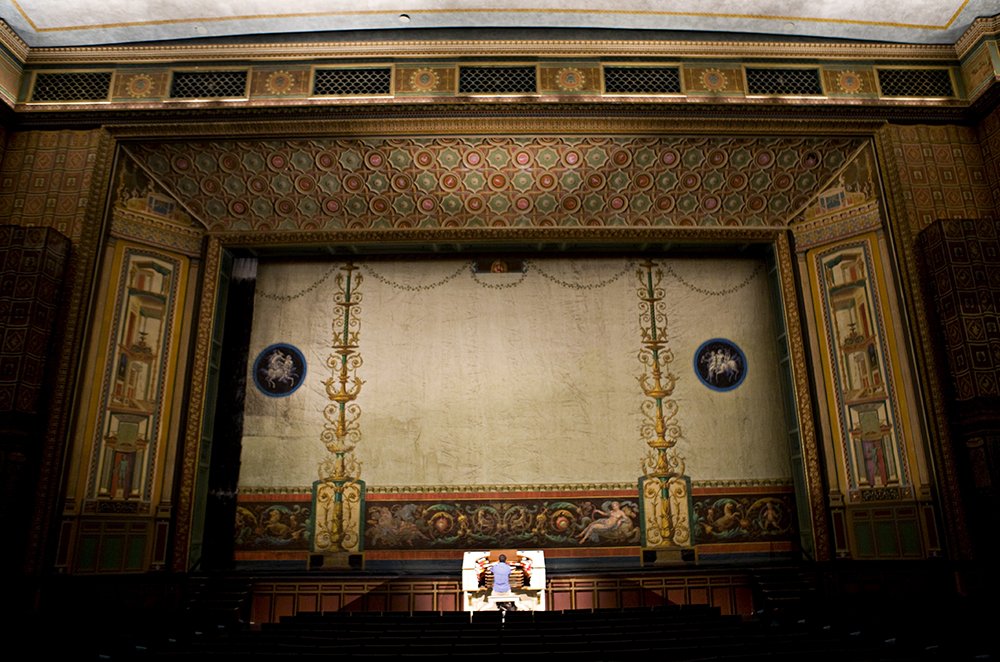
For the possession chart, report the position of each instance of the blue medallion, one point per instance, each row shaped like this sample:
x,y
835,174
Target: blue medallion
x,y
720,364
279,370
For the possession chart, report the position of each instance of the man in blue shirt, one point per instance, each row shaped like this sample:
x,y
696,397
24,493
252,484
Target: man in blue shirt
x,y
501,576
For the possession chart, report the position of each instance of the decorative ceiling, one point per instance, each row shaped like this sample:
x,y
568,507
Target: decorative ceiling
x,y
58,23
402,183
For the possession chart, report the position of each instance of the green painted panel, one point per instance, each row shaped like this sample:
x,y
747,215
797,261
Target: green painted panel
x,y
136,553
864,542
86,557
909,538
112,553
885,534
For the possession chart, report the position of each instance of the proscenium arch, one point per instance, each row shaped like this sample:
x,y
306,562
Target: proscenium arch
x,y
223,242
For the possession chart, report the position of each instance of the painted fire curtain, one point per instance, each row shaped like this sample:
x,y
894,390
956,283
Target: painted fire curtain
x,y
484,376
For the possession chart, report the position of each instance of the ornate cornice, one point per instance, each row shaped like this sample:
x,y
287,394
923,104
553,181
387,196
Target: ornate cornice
x,y
480,489
157,232
980,29
416,490
532,49
470,237
13,43
497,119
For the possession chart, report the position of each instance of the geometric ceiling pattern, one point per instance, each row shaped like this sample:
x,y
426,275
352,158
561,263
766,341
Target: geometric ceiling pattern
x,y
452,182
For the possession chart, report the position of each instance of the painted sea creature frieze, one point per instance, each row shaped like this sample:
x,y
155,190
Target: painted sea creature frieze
x,y
272,526
744,518
555,523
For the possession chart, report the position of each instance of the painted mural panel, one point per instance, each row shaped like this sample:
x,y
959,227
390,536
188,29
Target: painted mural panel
x,y
519,384
450,524
867,411
479,378
273,525
277,525
125,449
733,515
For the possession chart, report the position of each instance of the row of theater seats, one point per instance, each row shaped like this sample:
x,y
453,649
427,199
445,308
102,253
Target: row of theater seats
x,y
676,633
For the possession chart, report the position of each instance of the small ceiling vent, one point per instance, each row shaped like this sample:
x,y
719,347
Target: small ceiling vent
x,y
497,80
784,82
75,86
208,84
642,80
352,82
915,83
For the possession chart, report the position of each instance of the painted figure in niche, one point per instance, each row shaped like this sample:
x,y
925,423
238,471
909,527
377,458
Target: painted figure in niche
x,y
874,463
616,522
121,479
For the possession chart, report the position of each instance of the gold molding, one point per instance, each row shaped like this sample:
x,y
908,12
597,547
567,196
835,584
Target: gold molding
x,y
803,398
411,490
150,231
13,42
496,120
191,442
542,48
416,491
981,28
613,236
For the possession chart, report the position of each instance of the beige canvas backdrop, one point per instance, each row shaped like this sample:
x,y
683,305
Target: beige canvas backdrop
x,y
515,379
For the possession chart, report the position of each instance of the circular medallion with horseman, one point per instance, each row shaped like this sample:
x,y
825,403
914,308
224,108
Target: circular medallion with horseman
x,y
279,370
720,364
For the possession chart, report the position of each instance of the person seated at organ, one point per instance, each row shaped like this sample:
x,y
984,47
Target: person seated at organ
x,y
501,576
516,574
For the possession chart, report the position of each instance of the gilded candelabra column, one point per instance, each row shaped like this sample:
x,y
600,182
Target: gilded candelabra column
x,y
665,492
338,495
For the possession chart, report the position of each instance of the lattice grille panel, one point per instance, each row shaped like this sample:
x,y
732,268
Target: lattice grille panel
x,y
497,80
77,86
642,80
800,82
915,83
352,82
208,84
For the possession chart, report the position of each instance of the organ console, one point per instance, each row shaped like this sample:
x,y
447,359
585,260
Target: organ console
x,y
527,580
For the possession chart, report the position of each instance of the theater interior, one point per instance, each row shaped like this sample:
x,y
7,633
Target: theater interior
x,y
690,310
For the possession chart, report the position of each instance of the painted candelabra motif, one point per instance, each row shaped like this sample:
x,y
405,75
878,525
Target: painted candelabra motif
x,y
665,492
338,495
